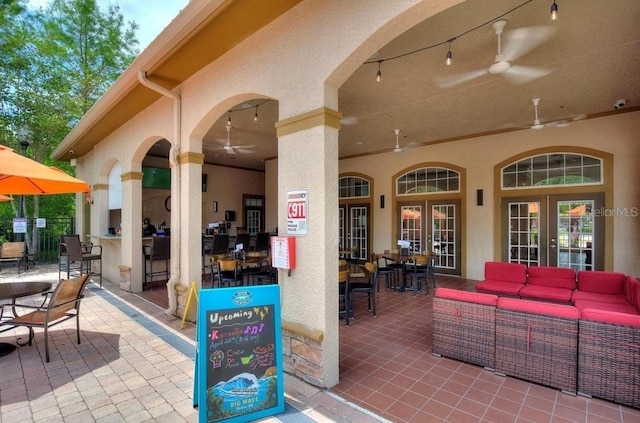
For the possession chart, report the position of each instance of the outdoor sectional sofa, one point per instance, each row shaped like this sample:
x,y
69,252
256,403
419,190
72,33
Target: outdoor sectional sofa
x,y
587,344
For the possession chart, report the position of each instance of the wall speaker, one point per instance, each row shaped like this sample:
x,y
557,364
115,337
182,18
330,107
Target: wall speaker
x,y
382,201
479,197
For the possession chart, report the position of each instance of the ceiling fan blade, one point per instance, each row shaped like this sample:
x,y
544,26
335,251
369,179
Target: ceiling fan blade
x,y
453,80
521,41
348,120
522,74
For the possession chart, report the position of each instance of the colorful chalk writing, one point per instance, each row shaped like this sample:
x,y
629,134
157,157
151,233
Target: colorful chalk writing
x,y
243,374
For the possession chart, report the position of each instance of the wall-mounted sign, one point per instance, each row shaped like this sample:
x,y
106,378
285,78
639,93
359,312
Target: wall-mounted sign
x,y
239,355
283,252
297,209
41,222
19,225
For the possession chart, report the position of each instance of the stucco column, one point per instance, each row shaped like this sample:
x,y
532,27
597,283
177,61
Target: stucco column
x,y
308,159
189,228
131,234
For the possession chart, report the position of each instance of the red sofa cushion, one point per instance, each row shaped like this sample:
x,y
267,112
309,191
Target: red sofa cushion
x,y
506,272
600,281
631,290
537,307
611,317
546,293
466,296
597,297
499,287
557,277
618,308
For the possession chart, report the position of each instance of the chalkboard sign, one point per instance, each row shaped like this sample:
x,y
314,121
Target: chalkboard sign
x,y
239,354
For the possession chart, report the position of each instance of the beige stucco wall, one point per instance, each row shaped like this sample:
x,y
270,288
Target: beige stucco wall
x,y
618,135
271,64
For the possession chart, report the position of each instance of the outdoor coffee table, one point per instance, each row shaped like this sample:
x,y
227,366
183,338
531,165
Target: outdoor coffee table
x,y
14,290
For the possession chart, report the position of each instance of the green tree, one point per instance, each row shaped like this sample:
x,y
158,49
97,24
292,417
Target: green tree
x,y
54,64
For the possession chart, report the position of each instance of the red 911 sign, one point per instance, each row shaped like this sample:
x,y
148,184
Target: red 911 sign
x,y
297,209
297,203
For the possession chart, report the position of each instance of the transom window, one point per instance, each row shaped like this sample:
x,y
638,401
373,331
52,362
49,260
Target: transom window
x,y
555,169
353,187
428,180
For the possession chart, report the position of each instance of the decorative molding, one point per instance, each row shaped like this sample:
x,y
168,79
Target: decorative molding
x,y
318,117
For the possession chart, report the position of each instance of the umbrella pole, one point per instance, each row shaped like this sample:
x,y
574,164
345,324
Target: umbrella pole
x,y
21,237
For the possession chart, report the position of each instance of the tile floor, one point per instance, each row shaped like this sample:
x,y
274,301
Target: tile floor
x,y
386,367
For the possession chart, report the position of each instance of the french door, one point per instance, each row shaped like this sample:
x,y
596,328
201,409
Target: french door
x,y
434,226
554,230
354,230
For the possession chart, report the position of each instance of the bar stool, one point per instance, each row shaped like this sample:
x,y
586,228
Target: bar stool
x,y
159,250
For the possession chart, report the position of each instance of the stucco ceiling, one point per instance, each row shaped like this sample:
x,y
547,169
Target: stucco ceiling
x,y
593,55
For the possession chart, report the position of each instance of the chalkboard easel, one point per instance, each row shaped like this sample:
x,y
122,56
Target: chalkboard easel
x,y
239,354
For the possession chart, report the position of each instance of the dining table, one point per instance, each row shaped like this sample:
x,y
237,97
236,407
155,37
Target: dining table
x,y
403,259
12,291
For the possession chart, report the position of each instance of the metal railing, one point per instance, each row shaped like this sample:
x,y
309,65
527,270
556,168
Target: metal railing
x,y
42,237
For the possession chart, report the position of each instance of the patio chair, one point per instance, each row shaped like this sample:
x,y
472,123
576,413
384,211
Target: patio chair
x,y
13,252
61,304
79,257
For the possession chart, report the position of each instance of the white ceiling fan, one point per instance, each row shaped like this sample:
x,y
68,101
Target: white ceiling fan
x,y
518,43
233,149
536,122
397,148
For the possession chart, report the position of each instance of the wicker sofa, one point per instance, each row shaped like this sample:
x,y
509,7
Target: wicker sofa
x,y
589,344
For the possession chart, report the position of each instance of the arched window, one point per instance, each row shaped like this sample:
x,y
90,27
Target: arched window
x,y
428,180
353,187
553,169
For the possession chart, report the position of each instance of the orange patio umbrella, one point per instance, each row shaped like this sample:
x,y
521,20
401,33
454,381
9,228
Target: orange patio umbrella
x,y
20,175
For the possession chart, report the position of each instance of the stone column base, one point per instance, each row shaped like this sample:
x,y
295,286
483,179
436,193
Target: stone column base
x,y
302,351
125,278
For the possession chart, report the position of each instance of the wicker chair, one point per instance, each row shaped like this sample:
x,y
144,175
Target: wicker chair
x,y
538,342
464,326
63,304
608,356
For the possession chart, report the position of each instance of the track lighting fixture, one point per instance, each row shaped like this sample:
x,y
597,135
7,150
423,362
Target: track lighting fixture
x,y
379,74
554,11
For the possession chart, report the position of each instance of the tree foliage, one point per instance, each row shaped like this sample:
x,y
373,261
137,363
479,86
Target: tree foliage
x,y
54,65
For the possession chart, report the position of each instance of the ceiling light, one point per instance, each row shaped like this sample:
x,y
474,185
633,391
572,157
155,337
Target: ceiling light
x,y
229,119
397,149
255,117
449,55
379,74
554,11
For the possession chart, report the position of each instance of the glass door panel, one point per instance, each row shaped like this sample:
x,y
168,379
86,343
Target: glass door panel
x,y
524,224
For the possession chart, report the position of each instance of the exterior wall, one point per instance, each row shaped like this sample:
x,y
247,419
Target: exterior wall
x,y
617,135
271,64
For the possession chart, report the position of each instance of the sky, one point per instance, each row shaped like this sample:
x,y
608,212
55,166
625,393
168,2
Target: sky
x,y
151,17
